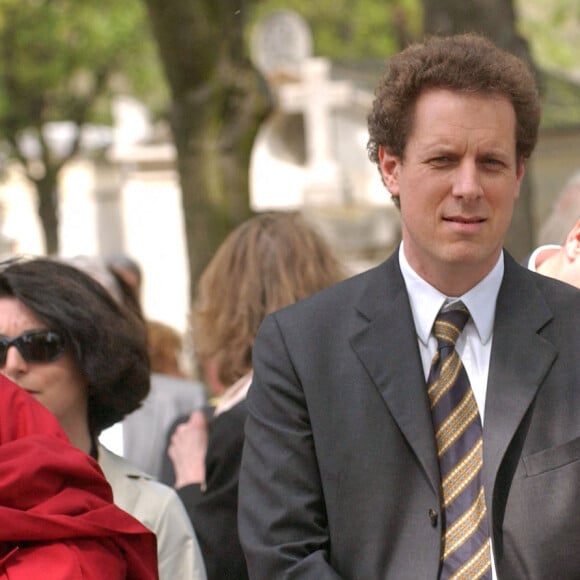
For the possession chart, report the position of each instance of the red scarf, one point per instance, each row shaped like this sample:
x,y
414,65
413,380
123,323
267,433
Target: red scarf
x,y
57,519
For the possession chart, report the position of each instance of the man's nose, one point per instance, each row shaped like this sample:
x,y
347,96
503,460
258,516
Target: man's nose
x,y
467,180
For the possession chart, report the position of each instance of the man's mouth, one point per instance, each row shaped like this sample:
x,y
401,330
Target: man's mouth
x,y
464,220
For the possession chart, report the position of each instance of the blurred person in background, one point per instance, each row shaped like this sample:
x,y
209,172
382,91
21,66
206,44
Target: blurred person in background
x,y
560,261
563,213
93,371
129,274
268,262
559,254
172,396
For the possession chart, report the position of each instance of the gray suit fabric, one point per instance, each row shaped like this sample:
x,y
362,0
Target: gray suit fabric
x,y
340,477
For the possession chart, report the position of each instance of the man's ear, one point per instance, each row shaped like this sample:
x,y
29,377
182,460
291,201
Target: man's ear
x,y
521,170
572,242
390,168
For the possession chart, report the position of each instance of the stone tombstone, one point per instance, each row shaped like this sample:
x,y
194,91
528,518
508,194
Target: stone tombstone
x,y
280,43
303,88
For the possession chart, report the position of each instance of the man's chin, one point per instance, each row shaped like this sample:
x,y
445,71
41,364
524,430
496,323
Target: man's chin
x,y
470,252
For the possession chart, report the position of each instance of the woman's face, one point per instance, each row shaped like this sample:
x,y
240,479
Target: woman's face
x,y
59,384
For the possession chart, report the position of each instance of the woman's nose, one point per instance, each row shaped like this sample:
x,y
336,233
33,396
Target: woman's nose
x,y
15,364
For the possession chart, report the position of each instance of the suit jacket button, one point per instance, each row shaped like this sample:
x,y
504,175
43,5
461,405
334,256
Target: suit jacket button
x,y
433,516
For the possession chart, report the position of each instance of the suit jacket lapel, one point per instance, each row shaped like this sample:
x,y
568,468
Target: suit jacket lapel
x,y
387,347
520,359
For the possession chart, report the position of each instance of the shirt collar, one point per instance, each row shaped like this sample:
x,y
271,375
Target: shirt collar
x,y
234,394
426,301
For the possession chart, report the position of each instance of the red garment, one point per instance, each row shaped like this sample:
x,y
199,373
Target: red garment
x,y
57,519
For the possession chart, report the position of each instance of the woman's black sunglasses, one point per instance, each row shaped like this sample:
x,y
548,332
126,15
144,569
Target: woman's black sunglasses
x,y
36,346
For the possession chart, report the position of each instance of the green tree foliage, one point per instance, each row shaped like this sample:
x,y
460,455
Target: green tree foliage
x,y
353,29
60,61
553,29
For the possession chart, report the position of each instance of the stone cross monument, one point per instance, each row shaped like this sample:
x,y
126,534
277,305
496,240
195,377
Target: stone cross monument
x,y
315,95
282,50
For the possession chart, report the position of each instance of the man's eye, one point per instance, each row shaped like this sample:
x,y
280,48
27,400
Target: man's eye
x,y
492,161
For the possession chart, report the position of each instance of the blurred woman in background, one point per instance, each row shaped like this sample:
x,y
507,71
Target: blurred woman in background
x,y
268,262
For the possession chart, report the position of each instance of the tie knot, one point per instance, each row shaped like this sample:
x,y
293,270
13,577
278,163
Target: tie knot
x,y
449,324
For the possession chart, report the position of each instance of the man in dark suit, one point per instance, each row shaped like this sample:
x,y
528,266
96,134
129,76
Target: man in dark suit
x,y
344,472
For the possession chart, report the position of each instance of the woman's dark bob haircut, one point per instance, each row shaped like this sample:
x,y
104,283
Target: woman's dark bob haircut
x,y
108,342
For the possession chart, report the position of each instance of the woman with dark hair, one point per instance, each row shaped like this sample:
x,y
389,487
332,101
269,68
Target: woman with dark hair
x,y
268,262
84,357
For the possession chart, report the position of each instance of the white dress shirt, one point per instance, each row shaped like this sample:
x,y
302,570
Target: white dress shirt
x,y
474,343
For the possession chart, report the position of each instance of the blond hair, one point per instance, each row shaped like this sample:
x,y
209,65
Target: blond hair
x,y
268,262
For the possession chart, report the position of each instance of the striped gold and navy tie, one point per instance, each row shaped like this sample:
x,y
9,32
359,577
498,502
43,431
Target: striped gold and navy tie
x,y
465,552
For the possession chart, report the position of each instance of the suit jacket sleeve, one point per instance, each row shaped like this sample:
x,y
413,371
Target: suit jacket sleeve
x,y
282,518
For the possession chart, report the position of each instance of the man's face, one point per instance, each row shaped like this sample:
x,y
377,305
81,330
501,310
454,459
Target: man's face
x,y
457,186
